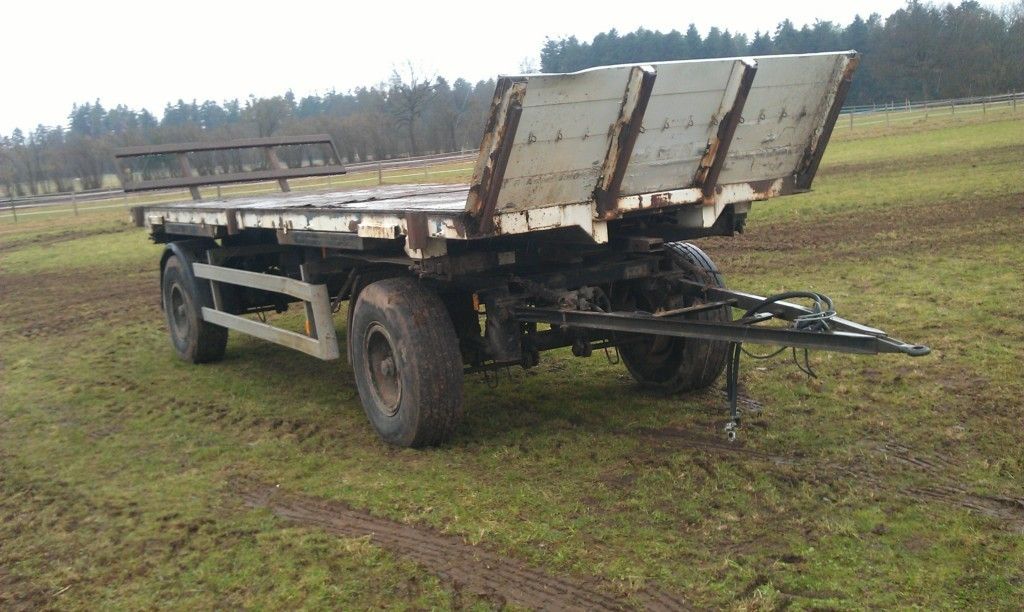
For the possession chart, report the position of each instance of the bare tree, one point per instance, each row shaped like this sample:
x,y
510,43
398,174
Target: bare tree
x,y
407,98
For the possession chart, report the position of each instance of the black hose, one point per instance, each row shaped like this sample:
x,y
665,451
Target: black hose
x,y
818,319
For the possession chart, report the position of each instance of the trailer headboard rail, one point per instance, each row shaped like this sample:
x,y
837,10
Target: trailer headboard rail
x,y
275,169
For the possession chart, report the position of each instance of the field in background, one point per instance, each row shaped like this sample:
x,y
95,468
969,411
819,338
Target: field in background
x,y
129,479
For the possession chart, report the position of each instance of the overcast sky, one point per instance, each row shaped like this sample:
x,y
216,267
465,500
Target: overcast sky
x,y
145,54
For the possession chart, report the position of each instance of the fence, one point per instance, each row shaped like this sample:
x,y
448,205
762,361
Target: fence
x,y
885,114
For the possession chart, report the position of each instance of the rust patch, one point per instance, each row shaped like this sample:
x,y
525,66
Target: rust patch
x,y
416,230
718,146
661,199
494,152
808,166
622,137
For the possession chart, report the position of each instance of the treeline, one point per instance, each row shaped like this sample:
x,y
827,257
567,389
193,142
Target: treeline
x,y
922,51
409,115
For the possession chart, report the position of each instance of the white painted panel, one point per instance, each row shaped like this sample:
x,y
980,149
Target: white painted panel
x,y
788,102
562,137
685,105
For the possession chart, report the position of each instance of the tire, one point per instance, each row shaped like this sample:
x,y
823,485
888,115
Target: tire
x,y
406,362
193,339
676,365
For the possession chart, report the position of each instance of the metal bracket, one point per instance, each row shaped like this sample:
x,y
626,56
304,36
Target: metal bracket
x,y
322,341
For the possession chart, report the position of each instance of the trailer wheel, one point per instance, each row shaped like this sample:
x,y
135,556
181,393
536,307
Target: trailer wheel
x,y
681,364
407,364
193,339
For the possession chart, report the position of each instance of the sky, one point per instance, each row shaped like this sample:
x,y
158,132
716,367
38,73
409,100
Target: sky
x,y
146,54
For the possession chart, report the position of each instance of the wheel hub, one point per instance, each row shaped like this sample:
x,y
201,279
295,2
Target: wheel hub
x,y
178,309
386,384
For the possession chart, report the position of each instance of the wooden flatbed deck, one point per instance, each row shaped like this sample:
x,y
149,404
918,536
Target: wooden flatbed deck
x,y
394,199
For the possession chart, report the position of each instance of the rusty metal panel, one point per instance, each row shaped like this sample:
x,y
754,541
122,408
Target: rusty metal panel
x,y
623,136
785,114
689,101
563,137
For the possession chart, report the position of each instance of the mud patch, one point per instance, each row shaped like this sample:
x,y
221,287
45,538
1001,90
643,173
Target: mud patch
x,y
501,579
51,239
53,303
891,230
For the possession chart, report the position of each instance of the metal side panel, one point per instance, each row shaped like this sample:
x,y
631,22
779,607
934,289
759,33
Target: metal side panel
x,y
784,115
710,131
562,138
689,101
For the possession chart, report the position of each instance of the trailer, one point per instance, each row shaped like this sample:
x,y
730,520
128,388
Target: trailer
x,y
575,230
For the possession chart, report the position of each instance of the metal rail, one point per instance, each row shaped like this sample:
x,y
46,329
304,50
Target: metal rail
x,y
642,323
322,341
276,169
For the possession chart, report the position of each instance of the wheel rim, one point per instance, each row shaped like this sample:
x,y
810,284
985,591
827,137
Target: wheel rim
x,y
382,364
177,307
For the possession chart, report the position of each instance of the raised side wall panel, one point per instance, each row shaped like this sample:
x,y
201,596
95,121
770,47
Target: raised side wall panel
x,y
562,138
787,104
688,101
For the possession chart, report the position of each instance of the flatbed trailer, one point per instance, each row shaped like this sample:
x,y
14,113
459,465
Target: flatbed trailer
x,y
573,232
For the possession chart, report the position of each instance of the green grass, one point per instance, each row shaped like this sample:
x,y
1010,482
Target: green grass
x,y
116,458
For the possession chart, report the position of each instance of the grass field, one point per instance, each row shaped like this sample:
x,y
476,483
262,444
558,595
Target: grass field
x,y
130,480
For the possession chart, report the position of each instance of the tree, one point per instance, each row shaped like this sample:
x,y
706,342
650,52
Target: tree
x,y
407,99
267,114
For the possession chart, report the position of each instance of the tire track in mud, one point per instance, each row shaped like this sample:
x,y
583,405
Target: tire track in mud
x,y
1008,510
485,573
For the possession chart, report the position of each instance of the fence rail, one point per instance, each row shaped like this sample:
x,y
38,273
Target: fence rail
x,y
877,114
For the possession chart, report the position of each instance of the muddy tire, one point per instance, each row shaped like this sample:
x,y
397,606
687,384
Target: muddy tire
x,y
193,339
406,361
675,365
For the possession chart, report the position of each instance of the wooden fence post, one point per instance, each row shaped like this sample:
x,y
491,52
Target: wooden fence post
x,y
380,173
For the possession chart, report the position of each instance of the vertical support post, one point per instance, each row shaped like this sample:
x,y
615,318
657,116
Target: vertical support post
x,y
925,110
218,299
728,115
276,164
310,315
14,212
74,200
218,192
851,120
887,114
627,127
186,170
984,107
380,173
1013,96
